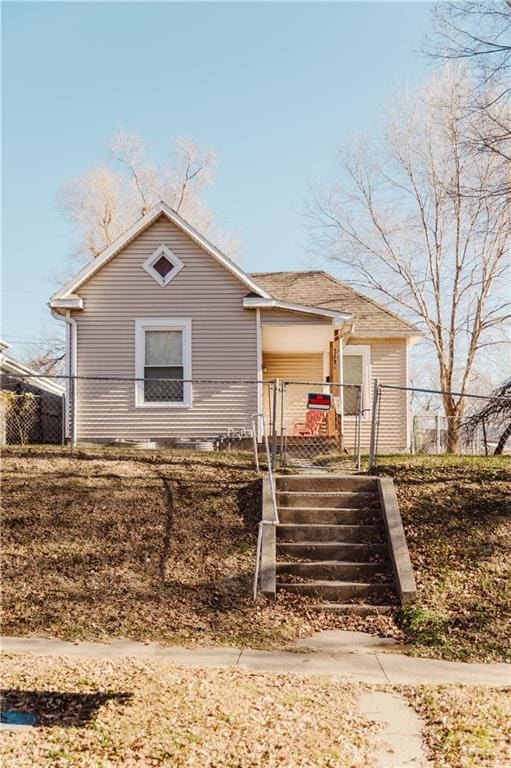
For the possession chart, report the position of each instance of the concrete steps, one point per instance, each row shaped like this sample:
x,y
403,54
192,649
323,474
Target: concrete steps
x,y
337,569
337,590
331,499
332,533
354,609
327,550
329,515
325,483
331,544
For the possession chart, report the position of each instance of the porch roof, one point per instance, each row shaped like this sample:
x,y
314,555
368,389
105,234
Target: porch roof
x,y
324,291
256,302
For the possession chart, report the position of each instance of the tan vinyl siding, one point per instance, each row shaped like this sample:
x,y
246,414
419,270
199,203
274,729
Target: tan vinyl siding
x,y
293,368
306,367
388,364
285,317
224,342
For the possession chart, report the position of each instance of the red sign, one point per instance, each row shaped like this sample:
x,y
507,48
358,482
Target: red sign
x,y
318,401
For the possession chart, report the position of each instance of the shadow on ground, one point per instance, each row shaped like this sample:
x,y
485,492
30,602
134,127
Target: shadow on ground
x,y
59,709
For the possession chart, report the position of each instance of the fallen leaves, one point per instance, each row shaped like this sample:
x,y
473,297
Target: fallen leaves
x,y
105,543
156,714
457,518
466,727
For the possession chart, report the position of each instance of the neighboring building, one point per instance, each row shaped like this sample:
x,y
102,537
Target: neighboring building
x,y
31,406
162,303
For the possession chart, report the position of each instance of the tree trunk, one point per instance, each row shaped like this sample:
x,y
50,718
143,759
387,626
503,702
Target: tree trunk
x,y
502,441
453,412
453,434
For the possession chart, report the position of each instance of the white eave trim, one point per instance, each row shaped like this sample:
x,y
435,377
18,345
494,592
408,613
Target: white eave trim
x,y
254,302
138,227
10,366
68,302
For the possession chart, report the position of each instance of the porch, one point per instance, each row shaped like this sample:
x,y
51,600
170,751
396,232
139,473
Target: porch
x,y
305,360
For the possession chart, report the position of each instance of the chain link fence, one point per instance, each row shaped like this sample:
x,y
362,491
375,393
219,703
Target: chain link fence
x,y
150,412
310,424
197,414
30,413
434,422
318,424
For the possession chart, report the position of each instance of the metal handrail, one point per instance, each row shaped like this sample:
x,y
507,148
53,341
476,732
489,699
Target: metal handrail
x,y
256,449
271,478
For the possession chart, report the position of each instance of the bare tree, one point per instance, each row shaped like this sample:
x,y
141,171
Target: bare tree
x,y
496,411
47,356
403,220
478,32
105,201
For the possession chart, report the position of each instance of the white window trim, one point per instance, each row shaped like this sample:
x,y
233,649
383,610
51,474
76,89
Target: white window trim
x,y
151,260
365,351
144,324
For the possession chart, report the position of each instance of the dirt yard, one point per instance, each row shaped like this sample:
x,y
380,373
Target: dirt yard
x,y
160,546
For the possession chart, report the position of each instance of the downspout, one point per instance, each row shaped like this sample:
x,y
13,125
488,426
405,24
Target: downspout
x,y
408,445
71,337
259,385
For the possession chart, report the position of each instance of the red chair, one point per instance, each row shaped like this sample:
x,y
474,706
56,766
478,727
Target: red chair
x,y
311,425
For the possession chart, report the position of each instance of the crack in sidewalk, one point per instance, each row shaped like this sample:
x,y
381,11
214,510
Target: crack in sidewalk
x,y
377,657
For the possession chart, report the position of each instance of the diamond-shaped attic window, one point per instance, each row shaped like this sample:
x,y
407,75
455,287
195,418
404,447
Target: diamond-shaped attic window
x,y
163,265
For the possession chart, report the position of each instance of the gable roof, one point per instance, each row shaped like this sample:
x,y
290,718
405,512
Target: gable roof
x,y
65,298
320,289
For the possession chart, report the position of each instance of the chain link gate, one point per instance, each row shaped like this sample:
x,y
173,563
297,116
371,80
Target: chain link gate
x,y
316,424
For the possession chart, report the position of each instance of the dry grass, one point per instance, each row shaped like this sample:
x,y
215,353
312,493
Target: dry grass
x,y
143,713
109,543
133,713
465,727
457,518
161,546
101,544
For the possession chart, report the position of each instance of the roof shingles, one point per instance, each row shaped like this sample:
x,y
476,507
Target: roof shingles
x,y
319,289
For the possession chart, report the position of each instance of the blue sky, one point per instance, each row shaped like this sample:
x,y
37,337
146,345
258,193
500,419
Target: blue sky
x,y
276,88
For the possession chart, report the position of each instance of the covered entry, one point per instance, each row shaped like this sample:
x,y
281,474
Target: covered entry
x,y
305,360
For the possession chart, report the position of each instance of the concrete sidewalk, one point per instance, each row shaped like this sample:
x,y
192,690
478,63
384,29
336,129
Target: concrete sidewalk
x,y
334,655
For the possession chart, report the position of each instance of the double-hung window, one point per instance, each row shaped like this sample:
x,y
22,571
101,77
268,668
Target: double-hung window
x,y
163,362
356,370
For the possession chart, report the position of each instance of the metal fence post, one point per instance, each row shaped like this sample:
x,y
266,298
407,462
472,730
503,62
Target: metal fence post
x,y
282,426
63,412
274,423
358,434
437,434
254,440
373,447
72,412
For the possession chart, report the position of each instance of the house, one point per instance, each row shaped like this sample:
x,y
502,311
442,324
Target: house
x,y
31,405
169,339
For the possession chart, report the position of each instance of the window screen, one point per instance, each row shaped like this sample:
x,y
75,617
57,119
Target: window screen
x,y
163,366
352,373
